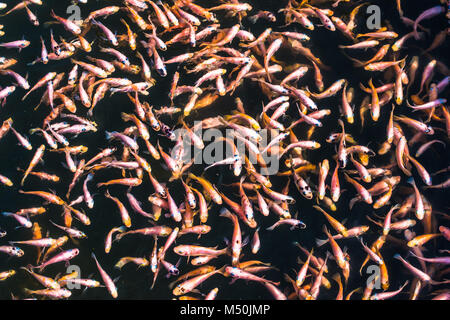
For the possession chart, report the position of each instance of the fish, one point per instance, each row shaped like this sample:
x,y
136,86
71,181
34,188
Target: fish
x,y
427,14
106,279
236,241
48,77
68,24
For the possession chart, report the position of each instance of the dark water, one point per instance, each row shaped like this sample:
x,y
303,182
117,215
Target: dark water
x,y
277,245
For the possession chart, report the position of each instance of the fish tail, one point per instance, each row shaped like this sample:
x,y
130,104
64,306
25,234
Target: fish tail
x,y
122,229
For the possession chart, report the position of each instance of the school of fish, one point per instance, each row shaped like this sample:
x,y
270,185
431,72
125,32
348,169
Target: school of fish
x,y
404,95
